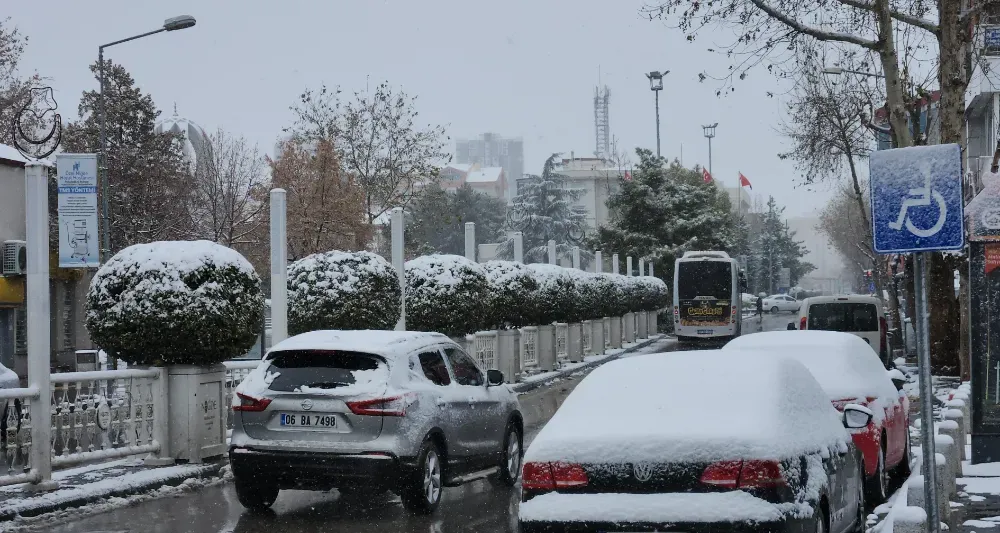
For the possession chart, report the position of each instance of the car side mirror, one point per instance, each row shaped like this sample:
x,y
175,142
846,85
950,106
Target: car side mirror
x,y
494,378
856,416
791,326
897,377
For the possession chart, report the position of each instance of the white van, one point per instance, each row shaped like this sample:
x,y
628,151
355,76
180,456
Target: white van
x,y
859,315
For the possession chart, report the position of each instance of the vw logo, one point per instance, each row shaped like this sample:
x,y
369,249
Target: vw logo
x,y
307,404
643,471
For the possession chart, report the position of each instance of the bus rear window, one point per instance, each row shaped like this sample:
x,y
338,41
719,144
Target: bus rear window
x,y
704,278
845,317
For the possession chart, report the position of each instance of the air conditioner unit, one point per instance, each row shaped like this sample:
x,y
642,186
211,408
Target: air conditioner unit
x,y
15,258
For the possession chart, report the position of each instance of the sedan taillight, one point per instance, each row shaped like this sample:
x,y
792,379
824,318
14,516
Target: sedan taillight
x,y
553,476
744,474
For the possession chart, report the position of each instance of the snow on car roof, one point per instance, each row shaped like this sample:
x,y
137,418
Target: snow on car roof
x,y
845,366
693,406
384,343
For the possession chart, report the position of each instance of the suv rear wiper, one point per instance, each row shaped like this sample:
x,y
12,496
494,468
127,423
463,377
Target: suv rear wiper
x,y
329,384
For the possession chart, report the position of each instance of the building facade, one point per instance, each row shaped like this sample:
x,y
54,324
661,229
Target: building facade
x,y
597,180
493,150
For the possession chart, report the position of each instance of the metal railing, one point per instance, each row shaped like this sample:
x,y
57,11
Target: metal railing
x,y
16,436
486,350
562,341
529,348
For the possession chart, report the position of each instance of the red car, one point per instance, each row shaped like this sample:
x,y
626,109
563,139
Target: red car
x,y
850,372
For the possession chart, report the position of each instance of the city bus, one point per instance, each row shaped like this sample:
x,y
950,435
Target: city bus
x,y
707,297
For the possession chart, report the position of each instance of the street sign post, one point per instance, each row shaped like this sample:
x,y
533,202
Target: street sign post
x,y
916,199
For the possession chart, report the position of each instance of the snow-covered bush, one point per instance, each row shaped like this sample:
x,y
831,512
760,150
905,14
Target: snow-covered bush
x,y
342,290
511,294
175,302
653,294
610,295
445,293
556,295
587,302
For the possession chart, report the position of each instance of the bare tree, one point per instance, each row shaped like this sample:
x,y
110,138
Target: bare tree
x,y
381,145
226,206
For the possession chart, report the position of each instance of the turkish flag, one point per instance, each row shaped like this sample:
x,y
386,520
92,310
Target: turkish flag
x,y
744,182
628,176
706,176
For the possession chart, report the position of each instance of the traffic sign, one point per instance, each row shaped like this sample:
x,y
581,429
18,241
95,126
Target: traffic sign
x,y
916,198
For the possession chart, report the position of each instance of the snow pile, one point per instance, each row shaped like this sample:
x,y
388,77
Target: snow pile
x,y
556,295
175,302
732,506
445,293
511,291
342,290
843,364
672,407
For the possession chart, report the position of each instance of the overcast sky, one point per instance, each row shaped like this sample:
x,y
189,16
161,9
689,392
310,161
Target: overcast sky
x,y
523,68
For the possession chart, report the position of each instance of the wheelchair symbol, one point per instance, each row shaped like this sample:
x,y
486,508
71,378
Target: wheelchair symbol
x,y
921,197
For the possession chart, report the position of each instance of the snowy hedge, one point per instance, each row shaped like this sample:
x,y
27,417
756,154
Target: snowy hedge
x,y
342,290
445,293
556,297
653,293
511,295
175,302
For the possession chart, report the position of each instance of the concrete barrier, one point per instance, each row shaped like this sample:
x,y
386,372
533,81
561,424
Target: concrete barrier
x,y
642,324
961,404
546,347
958,416
945,447
915,488
616,332
574,342
909,519
950,428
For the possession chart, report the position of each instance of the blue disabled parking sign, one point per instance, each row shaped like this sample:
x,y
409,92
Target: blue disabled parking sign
x,y
916,198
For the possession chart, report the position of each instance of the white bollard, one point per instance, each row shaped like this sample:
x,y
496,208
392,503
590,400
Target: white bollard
x,y
552,252
650,268
946,448
614,263
396,224
598,262
36,209
470,241
518,247
628,265
642,267
576,257
958,416
909,519
279,266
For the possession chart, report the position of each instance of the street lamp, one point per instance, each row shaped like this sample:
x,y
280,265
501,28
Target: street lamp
x,y
837,71
656,85
171,24
709,131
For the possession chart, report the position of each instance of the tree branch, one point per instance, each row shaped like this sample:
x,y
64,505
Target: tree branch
x,y
815,33
905,18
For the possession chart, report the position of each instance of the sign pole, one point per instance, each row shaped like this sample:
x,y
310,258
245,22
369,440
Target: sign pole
x,y
926,394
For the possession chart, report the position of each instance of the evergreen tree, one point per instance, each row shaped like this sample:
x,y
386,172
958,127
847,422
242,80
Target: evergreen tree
x,y
436,220
543,211
149,180
774,247
664,211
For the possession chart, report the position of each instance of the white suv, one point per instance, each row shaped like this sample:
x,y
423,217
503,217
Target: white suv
x,y
858,315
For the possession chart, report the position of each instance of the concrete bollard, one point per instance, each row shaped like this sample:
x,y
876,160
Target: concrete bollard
x,y
961,404
545,345
574,342
629,324
597,337
616,332
909,519
652,326
915,489
958,416
947,449
643,325
509,354
950,428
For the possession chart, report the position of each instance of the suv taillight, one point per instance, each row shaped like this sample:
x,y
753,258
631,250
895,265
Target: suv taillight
x,y
250,404
390,406
553,476
744,474
802,323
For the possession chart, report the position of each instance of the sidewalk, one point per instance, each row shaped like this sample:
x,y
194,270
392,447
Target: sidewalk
x,y
112,484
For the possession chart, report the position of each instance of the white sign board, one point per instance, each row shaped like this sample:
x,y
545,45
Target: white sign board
x,y
78,236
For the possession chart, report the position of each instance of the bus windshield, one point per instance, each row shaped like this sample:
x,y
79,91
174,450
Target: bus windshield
x,y
705,278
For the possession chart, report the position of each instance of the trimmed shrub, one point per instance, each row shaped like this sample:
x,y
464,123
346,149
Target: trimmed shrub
x,y
342,290
556,297
512,288
654,294
445,293
175,302
610,295
587,303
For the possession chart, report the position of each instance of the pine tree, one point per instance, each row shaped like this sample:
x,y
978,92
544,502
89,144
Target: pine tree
x,y
774,247
664,211
436,219
543,211
149,180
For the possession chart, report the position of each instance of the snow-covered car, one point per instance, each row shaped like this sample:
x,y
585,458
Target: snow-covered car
x,y
851,373
862,316
697,441
368,411
781,302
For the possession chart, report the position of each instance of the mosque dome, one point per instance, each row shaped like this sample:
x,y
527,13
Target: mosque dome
x,y
195,138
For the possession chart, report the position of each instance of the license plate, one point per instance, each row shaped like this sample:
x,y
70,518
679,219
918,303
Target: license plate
x,y
309,421
705,331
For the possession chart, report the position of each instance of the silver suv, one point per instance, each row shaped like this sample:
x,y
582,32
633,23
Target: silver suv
x,y
368,411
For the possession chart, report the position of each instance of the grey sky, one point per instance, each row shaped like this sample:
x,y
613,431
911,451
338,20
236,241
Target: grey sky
x,y
519,68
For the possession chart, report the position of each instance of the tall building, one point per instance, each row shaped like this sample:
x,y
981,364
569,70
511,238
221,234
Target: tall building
x,y
602,122
492,150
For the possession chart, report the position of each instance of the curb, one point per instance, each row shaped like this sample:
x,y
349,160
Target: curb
x,y
50,502
527,387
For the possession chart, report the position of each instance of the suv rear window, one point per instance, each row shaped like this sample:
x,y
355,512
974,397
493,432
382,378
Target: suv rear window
x,y
844,317
324,369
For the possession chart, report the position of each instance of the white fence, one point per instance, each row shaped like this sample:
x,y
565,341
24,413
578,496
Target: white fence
x,y
585,338
486,350
529,348
562,341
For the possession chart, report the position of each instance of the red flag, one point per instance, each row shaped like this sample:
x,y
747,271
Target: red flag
x,y
706,176
744,182
628,176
